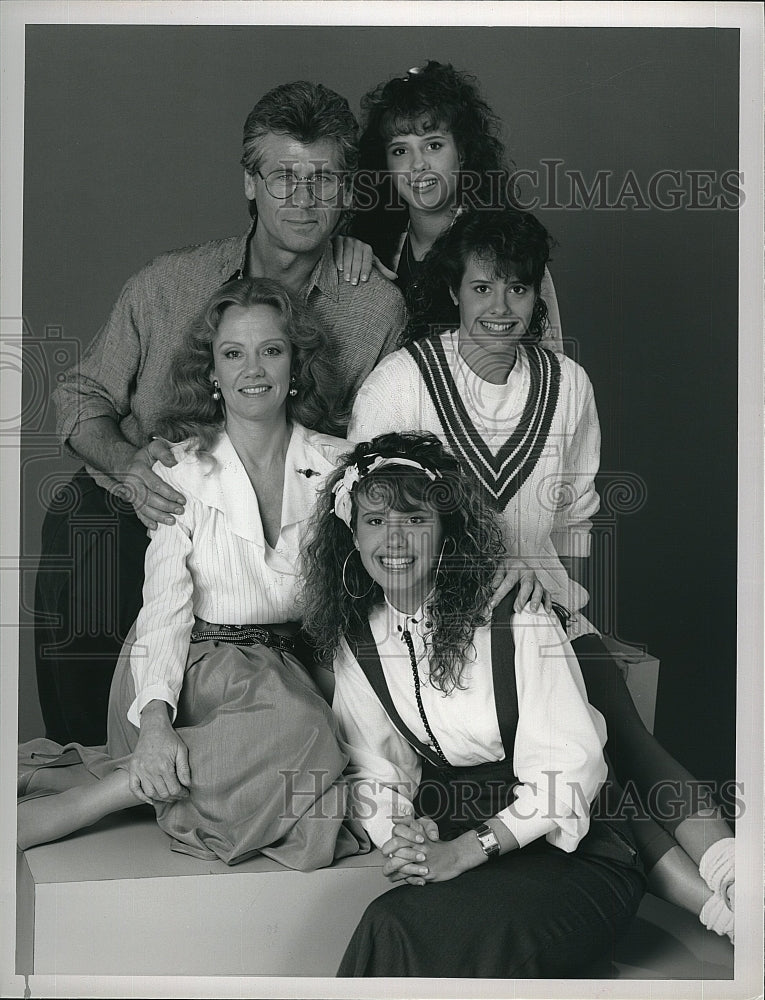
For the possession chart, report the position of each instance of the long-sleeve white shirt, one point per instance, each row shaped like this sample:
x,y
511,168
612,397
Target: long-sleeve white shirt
x,y
214,562
558,753
550,514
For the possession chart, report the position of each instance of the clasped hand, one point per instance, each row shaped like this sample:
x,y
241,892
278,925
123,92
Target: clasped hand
x,y
416,854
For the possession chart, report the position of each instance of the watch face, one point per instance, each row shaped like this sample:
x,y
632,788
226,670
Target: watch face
x,y
487,839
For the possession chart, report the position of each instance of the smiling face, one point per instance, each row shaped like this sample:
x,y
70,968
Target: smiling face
x,y
425,168
251,360
398,549
495,310
300,223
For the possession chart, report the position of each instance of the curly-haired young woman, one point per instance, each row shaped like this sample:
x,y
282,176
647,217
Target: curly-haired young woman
x,y
475,756
430,148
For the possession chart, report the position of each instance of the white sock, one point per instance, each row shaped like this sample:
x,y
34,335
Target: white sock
x,y
717,866
716,916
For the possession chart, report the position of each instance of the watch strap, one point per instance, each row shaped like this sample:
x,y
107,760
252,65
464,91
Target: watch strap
x,y
487,839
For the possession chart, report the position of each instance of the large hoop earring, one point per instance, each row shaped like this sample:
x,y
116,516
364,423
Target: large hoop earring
x,y
441,555
356,597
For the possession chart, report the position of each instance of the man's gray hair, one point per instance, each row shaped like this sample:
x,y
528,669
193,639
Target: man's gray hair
x,y
307,112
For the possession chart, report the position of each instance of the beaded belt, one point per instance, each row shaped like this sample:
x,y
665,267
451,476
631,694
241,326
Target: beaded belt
x,y
245,635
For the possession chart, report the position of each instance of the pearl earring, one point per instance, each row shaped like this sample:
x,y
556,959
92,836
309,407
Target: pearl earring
x,y
216,394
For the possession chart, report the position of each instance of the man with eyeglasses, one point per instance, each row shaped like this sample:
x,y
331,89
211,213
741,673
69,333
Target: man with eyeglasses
x,y
299,154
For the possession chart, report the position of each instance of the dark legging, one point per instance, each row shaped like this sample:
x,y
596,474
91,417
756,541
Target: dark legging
x,y
87,595
656,789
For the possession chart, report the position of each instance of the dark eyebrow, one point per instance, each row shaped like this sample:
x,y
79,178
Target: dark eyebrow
x,y
430,135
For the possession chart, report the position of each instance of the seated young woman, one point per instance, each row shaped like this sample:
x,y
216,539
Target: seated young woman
x,y
524,422
430,148
474,753
210,707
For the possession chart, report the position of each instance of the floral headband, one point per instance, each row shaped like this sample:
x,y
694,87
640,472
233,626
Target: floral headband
x,y
353,475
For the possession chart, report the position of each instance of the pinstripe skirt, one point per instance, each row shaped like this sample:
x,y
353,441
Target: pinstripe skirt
x,y
265,759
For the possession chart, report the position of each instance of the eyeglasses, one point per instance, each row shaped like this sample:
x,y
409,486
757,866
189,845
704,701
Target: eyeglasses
x,y
283,184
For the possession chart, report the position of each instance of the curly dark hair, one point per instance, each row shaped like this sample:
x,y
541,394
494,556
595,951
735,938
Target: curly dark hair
x,y
436,96
190,410
471,555
511,241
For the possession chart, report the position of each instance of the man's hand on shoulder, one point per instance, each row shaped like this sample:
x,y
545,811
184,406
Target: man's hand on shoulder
x,y
150,496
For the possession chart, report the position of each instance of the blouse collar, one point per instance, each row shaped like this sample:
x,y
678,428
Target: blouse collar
x,y
420,622
225,485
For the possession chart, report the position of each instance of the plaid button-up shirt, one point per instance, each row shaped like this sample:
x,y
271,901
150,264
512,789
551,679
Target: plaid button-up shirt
x,y
123,374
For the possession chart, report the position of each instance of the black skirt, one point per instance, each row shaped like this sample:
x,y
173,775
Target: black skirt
x,y
537,912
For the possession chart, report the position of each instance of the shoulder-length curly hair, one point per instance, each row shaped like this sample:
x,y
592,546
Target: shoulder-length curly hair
x,y
191,411
472,549
509,240
435,96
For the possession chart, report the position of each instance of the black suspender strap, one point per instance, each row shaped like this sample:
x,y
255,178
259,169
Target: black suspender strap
x,y
503,671
363,647
365,650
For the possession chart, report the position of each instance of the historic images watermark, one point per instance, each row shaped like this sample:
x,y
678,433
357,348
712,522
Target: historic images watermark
x,y
668,801
550,186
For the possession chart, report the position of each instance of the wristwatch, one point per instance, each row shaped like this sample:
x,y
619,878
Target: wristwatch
x,y
487,839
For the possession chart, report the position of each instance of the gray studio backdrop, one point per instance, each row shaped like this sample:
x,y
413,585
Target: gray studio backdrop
x,y
132,146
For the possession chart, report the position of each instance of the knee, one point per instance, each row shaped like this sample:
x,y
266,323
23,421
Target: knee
x,y
388,914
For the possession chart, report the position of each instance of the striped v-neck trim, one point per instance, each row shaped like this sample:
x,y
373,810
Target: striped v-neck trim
x,y
503,474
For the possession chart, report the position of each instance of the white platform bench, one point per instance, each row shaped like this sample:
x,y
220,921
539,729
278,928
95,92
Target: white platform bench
x,y
115,900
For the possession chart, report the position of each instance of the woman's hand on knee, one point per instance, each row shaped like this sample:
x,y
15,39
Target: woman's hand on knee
x,y
159,767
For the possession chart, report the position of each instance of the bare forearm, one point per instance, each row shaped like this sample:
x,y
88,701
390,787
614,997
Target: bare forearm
x,y
156,715
470,849
506,838
101,444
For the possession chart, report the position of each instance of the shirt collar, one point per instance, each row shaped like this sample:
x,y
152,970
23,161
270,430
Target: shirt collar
x,y
420,622
234,265
324,276
305,468
225,485
484,389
